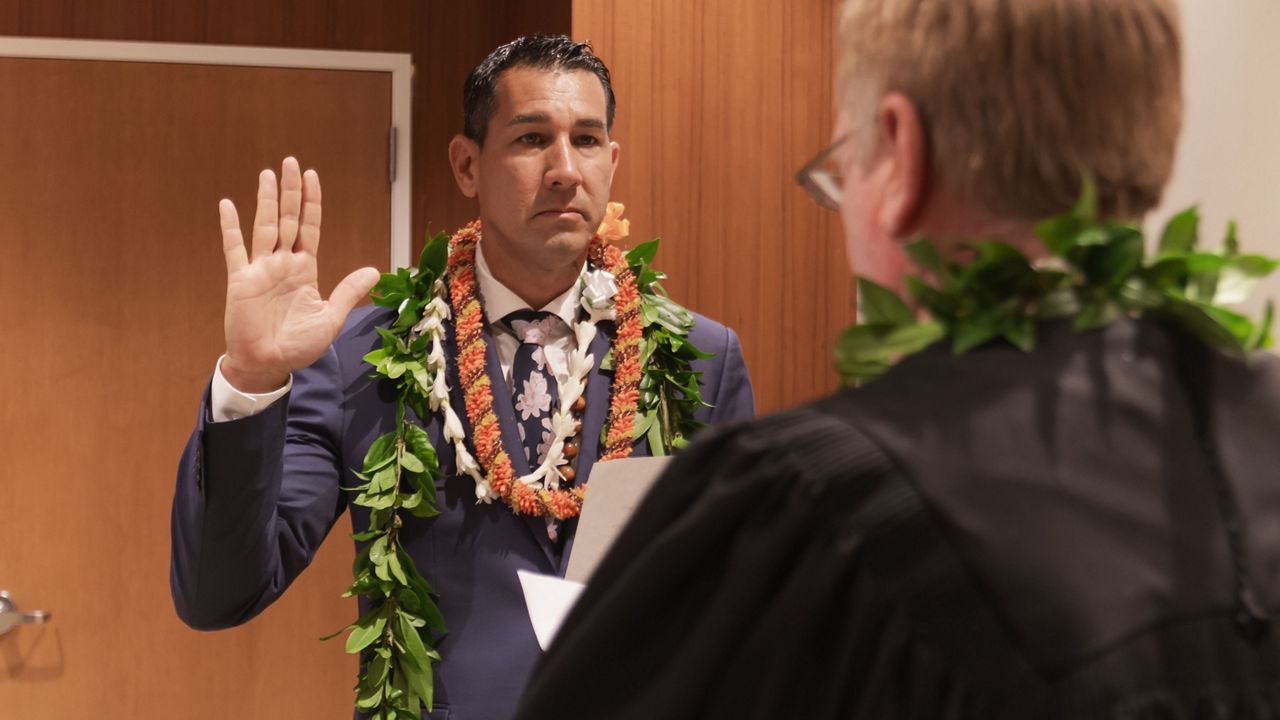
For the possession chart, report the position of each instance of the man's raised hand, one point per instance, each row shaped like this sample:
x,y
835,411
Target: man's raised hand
x,y
276,322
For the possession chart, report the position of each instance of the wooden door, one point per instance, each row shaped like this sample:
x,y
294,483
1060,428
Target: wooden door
x,y
111,295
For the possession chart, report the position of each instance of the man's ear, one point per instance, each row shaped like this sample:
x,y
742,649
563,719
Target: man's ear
x,y
904,169
614,149
464,159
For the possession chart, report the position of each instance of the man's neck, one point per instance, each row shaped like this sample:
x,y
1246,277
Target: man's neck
x,y
954,225
535,286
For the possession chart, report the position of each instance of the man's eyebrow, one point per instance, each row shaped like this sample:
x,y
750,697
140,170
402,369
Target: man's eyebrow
x,y
529,119
538,118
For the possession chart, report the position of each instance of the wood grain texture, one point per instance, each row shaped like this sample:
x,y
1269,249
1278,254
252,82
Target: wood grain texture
x,y
110,175
116,649
719,103
445,38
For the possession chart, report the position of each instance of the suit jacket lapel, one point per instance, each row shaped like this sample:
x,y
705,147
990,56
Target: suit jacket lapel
x,y
597,411
599,388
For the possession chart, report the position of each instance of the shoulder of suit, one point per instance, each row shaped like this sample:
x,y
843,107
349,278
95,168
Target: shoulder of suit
x,y
359,334
709,335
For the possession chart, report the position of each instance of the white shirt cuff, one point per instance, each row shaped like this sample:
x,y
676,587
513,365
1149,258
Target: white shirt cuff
x,y
227,403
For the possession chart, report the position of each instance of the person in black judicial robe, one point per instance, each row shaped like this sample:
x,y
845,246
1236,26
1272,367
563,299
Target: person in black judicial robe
x,y
1087,530
1002,534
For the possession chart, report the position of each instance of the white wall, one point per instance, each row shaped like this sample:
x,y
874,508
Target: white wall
x,y
1229,156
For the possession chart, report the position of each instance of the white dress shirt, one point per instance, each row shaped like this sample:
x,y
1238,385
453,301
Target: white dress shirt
x,y
228,403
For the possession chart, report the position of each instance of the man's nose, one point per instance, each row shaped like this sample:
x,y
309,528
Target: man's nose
x,y
562,165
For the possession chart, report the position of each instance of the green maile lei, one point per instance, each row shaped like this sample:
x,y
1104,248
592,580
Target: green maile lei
x,y
398,476
1096,271
669,391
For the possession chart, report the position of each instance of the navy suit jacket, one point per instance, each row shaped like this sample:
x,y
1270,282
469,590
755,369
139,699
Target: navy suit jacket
x,y
256,497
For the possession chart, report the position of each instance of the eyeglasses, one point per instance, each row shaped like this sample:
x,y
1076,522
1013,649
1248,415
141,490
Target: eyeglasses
x,y
821,178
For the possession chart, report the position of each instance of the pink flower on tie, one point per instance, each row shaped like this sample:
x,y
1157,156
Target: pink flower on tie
x,y
535,400
547,437
536,331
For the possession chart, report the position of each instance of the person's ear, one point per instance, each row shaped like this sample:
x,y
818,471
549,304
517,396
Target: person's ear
x,y
902,161
614,149
464,159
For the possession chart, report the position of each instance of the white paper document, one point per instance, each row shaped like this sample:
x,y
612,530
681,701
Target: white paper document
x,y
617,487
549,599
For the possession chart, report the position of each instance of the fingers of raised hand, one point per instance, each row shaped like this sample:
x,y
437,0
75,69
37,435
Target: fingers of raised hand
x,y
290,203
265,223
309,232
353,288
232,239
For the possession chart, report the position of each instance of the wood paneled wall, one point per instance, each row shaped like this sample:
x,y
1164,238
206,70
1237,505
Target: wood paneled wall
x,y
445,37
719,103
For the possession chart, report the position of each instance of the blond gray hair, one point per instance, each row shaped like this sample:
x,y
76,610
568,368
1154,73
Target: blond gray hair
x,y
1022,99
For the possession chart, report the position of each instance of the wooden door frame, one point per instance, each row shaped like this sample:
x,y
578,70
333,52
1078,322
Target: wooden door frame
x,y
400,65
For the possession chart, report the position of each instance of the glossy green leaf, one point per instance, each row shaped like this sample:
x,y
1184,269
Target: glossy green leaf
x,y
924,254
880,305
1059,234
1208,325
378,551
434,257
1181,233
417,660
1231,244
1095,314
382,480
393,567
410,462
382,448
657,446
391,289
643,254
974,330
367,629
940,305
1113,264
1260,338
370,700
1021,333
866,347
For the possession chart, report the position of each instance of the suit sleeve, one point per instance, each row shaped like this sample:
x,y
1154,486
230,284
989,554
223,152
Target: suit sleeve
x,y
255,498
726,386
734,399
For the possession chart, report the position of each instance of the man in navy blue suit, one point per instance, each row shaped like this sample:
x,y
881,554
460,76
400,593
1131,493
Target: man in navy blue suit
x,y
292,407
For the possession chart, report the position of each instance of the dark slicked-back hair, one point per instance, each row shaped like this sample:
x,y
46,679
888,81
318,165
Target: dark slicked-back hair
x,y
541,52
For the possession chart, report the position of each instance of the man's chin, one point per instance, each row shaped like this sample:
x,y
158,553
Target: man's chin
x,y
570,230
570,242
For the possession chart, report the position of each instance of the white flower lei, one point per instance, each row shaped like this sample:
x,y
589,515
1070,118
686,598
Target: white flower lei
x,y
598,288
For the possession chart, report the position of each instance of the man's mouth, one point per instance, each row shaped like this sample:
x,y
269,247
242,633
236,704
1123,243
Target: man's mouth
x,y
560,212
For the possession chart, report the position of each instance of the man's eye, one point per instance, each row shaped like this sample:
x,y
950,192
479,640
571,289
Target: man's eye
x,y
530,139
588,140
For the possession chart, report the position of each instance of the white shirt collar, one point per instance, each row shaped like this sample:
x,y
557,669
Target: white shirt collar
x,y
500,301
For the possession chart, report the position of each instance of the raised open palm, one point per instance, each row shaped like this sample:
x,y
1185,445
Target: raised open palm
x,y
276,321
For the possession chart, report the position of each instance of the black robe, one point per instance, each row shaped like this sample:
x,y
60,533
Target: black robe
x,y
1002,534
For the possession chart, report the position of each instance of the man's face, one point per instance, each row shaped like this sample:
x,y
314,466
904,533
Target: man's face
x,y
542,177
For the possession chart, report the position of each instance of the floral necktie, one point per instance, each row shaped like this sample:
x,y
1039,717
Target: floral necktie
x,y
533,386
